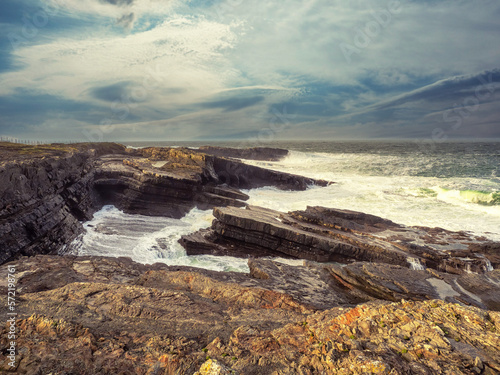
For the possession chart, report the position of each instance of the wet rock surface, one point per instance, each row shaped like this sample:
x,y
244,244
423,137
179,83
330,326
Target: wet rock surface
x,y
45,192
95,315
331,235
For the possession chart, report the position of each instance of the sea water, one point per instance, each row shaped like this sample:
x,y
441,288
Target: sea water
x,y
453,185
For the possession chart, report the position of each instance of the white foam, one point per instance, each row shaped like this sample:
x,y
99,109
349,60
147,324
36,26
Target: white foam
x,y
395,197
149,240
364,182
415,264
487,265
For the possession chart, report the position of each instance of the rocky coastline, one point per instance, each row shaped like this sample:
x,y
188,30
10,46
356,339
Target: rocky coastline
x,y
371,296
46,191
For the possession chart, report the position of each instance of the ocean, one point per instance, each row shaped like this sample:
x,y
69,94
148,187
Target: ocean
x,y
452,185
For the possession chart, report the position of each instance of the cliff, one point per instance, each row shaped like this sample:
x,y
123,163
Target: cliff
x,y
44,192
47,190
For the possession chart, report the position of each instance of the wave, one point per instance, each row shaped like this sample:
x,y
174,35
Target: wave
x,y
484,198
148,239
369,164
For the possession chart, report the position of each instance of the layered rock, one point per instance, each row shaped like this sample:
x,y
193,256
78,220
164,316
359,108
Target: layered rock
x,y
331,235
138,186
171,181
45,192
94,315
227,171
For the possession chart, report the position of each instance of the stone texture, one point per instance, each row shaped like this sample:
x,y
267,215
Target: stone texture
x,y
45,192
254,153
172,181
331,235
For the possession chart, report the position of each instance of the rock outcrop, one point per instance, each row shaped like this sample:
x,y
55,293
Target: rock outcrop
x,y
172,181
94,315
254,153
331,235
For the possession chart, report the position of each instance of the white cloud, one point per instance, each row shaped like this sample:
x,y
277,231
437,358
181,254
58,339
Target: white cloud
x,y
296,41
179,53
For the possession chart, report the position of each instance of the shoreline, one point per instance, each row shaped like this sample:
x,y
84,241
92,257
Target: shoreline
x,y
118,315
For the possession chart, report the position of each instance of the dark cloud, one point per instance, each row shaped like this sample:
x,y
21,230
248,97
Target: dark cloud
x,y
234,104
26,108
118,2
451,89
111,93
464,106
127,20
6,60
12,11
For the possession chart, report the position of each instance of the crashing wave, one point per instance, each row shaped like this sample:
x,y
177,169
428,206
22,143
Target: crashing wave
x,y
484,198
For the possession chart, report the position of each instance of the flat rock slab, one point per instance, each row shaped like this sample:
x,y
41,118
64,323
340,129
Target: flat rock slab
x,y
330,235
392,283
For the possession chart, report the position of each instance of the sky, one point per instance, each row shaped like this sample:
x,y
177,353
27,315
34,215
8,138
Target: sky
x,y
122,70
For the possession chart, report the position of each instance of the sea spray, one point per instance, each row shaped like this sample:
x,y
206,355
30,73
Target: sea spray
x,y
453,186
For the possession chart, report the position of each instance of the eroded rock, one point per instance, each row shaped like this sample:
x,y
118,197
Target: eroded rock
x,y
46,191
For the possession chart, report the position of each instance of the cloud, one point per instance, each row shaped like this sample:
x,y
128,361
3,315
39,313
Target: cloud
x,y
179,53
127,20
111,93
118,2
451,89
460,106
25,111
124,12
206,68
